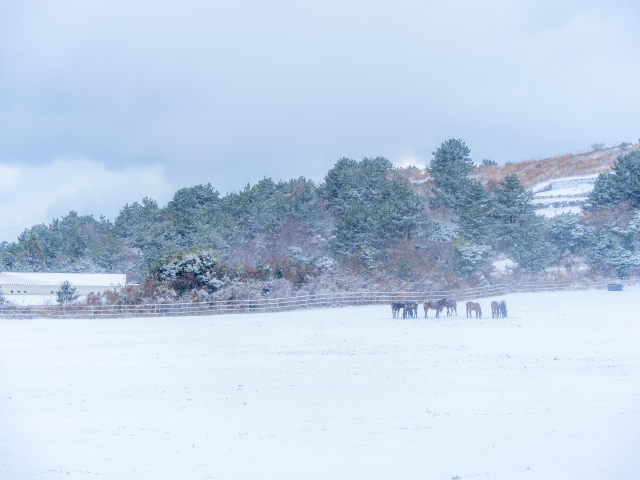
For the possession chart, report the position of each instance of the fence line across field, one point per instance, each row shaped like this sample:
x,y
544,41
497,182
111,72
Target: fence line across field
x,y
265,304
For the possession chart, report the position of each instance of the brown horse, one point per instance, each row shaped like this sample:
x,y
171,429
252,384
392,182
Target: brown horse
x,y
437,306
451,307
474,307
495,309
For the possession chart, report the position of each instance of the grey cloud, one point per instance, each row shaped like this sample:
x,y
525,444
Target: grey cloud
x,y
227,92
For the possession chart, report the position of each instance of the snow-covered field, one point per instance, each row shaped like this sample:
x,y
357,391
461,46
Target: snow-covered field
x,y
552,392
562,195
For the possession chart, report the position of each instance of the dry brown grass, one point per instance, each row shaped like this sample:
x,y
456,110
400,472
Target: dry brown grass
x,y
532,172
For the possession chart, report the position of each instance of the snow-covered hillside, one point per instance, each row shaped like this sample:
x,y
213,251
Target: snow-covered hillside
x,y
552,392
562,195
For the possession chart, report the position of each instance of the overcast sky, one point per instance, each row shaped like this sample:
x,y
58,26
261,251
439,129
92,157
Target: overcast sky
x,y
103,103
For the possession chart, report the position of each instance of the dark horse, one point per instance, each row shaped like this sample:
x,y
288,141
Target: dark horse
x,y
395,309
495,309
410,310
437,306
503,309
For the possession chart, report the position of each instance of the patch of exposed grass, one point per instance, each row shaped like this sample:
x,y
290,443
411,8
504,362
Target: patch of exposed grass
x,y
531,172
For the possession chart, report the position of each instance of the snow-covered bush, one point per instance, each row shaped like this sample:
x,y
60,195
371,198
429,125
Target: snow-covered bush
x,y
323,262
264,270
295,254
199,268
443,231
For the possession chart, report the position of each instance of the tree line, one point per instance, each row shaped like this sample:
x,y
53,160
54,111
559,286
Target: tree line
x,y
359,214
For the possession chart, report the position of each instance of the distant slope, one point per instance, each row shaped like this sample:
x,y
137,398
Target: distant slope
x,y
532,172
565,179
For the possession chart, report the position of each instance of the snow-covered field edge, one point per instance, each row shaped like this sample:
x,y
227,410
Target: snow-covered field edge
x,y
320,300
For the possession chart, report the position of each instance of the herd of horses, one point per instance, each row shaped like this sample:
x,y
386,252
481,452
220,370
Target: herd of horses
x,y
410,309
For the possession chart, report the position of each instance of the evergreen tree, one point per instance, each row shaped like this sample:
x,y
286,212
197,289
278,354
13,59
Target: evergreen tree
x,y
513,208
372,209
66,293
615,248
567,235
530,249
474,211
469,258
189,206
354,232
450,169
2,297
487,163
350,182
32,253
339,181
622,184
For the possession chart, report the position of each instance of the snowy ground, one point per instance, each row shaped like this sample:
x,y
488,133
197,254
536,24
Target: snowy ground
x,y
552,392
32,299
504,264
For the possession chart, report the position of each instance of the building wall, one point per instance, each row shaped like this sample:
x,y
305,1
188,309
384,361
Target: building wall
x,y
12,290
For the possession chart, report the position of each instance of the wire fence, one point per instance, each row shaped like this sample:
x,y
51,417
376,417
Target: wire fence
x,y
266,304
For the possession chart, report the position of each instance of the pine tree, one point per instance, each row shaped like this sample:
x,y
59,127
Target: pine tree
x,y
566,234
614,248
372,209
354,231
513,208
66,293
623,183
2,297
530,250
469,258
474,211
488,163
450,169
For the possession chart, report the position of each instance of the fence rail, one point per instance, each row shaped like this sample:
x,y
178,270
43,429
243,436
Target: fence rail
x,y
265,304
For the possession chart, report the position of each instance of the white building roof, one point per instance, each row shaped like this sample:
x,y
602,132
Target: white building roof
x,y
76,279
